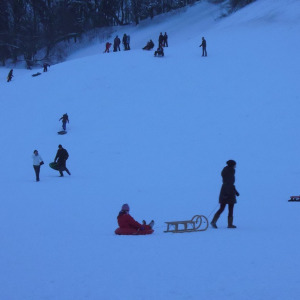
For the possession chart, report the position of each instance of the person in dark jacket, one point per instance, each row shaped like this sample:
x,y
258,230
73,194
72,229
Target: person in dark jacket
x,y
61,158
159,51
166,40
203,45
128,42
45,66
149,45
125,220
10,75
124,41
37,162
65,119
117,43
160,40
228,194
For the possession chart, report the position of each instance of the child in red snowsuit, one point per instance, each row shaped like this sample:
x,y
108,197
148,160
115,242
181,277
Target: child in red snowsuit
x,y
128,225
107,46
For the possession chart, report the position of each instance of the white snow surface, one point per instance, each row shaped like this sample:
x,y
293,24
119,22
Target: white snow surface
x,y
155,133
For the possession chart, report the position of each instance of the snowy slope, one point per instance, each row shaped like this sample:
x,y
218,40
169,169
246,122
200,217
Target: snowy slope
x,y
156,133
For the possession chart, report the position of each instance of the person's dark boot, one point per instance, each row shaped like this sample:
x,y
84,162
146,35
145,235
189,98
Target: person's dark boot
x,y
230,221
213,223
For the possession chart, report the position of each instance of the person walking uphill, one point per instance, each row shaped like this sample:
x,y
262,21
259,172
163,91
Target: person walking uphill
x,y
61,158
228,194
203,45
37,162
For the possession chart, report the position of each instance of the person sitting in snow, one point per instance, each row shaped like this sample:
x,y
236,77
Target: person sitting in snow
x,y
126,221
149,45
159,51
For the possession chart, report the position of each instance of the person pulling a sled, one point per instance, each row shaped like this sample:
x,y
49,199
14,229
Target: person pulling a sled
x,y
65,119
128,225
159,51
61,159
228,194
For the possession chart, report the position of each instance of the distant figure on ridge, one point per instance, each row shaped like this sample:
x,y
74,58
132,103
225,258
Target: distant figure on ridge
x,y
228,194
117,43
37,162
10,75
165,40
61,158
45,66
203,45
149,45
65,119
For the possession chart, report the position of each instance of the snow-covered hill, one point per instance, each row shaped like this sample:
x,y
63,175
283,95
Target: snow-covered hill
x,y
156,133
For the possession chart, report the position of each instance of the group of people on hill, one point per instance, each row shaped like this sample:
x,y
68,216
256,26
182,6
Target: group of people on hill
x,y
117,43
61,156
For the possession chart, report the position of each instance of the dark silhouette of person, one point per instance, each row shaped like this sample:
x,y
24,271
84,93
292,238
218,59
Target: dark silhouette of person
x,y
45,66
160,39
10,75
159,51
107,46
149,45
124,41
228,194
117,43
166,40
203,45
128,42
65,119
61,159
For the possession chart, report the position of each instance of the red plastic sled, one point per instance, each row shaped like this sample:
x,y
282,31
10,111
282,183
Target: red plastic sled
x,y
132,231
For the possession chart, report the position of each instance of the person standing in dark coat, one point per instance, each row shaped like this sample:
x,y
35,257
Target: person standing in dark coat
x,y
61,158
160,40
203,45
45,66
166,40
117,43
228,194
124,41
37,162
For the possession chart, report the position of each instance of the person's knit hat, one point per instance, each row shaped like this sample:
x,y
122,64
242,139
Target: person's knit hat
x,y
231,163
125,207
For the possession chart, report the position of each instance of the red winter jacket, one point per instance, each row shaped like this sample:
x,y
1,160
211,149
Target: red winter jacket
x,y
127,221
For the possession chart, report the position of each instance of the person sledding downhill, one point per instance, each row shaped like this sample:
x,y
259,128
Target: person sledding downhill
x,y
228,194
159,51
61,159
129,226
65,119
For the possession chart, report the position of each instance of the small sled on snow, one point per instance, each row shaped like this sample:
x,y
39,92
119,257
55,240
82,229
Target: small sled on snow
x,y
36,74
197,223
294,199
54,166
62,132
